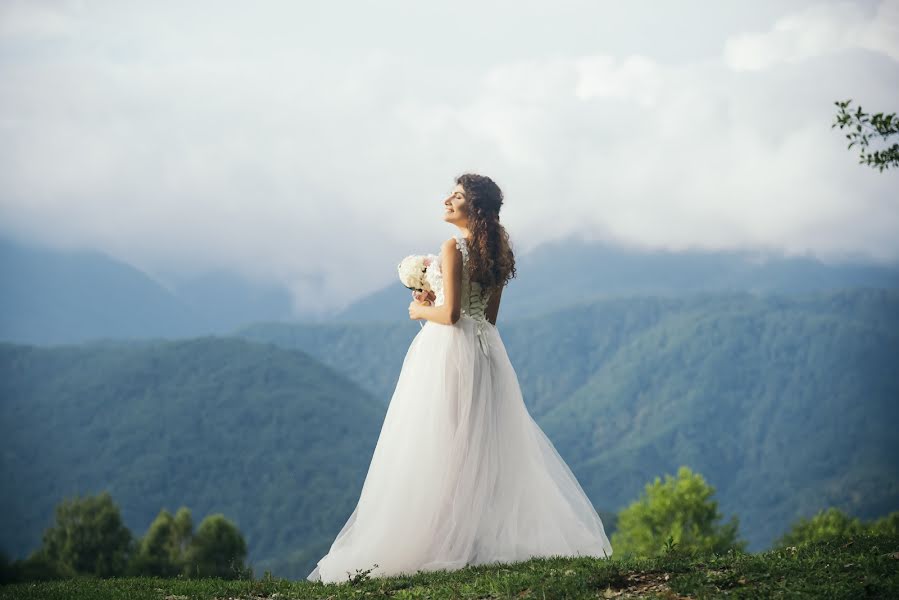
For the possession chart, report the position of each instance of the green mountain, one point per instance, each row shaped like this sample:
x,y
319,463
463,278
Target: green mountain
x,y
369,354
53,296
786,403
270,437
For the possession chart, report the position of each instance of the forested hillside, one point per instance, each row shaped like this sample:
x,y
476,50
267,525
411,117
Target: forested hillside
x,y
785,402
270,437
787,405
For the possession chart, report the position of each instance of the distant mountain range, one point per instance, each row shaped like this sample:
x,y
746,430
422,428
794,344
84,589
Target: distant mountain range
x,y
785,403
570,270
49,296
774,377
54,297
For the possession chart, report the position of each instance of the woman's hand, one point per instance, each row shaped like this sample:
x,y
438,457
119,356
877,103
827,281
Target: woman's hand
x,y
414,310
426,298
421,298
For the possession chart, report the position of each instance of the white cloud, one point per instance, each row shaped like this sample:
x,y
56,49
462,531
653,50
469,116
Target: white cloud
x,y
636,78
180,138
820,29
37,20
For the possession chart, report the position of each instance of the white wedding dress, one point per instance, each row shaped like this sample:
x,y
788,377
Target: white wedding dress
x,y
461,473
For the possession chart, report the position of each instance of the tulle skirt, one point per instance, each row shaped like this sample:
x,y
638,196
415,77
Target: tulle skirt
x,y
461,473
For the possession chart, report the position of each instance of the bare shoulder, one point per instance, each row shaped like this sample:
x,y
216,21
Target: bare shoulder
x,y
450,245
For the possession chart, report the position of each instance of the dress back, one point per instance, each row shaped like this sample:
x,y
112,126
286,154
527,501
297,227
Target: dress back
x,y
474,295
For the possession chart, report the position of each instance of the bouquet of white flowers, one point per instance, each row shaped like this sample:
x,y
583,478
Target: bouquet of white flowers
x,y
421,272
414,271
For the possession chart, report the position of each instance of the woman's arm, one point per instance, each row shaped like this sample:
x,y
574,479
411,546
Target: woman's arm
x,y
493,305
450,311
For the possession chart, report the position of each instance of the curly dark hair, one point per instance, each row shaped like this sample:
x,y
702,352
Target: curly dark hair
x,y
491,261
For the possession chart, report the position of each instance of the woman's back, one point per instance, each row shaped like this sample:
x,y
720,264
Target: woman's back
x,y
474,296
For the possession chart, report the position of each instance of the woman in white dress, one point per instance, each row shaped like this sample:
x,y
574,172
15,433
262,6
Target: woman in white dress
x,y
461,473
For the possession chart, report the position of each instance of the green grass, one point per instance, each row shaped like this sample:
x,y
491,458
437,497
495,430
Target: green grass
x,y
862,566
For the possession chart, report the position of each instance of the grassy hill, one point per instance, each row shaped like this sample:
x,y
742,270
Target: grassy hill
x,y
862,566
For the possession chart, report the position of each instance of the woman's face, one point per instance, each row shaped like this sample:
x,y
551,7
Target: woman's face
x,y
456,207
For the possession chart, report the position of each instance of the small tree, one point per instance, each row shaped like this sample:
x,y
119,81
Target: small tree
x,y
862,127
217,550
678,512
888,525
162,551
88,537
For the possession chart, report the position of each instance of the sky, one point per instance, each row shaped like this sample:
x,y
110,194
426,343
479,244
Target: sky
x,y
312,144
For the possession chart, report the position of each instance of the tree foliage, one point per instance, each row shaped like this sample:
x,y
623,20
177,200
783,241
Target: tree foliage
x,y
832,522
163,550
678,512
89,537
862,127
217,550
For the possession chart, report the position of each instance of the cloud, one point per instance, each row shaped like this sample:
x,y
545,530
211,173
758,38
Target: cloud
x,y
818,30
32,20
635,78
181,138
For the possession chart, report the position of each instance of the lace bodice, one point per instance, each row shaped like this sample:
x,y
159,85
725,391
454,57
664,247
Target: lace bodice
x,y
474,296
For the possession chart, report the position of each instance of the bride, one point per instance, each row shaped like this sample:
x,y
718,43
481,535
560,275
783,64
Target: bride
x,y
461,473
